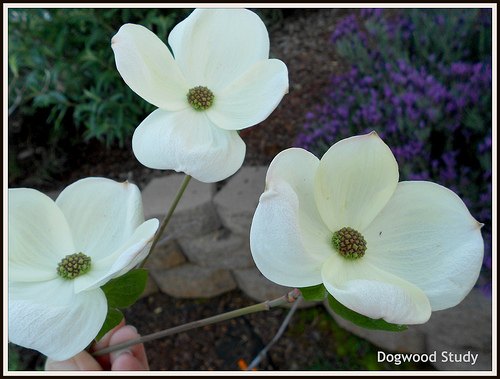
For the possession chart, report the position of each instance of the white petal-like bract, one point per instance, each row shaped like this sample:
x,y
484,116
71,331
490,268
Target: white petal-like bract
x,y
213,47
148,68
423,248
224,50
98,217
188,142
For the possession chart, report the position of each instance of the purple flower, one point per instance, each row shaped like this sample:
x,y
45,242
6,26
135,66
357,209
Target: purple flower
x,y
433,109
439,20
375,13
348,25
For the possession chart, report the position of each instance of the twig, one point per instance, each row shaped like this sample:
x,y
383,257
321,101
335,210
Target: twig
x,y
16,102
281,330
169,214
265,306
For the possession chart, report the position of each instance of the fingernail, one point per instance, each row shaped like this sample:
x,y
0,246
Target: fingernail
x,y
131,327
116,354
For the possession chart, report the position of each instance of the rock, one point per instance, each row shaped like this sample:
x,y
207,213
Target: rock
x,y
463,329
166,256
237,200
411,340
195,213
151,287
259,288
190,281
163,257
220,249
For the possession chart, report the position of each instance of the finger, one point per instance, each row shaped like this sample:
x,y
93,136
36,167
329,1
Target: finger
x,y
80,362
103,343
124,360
132,358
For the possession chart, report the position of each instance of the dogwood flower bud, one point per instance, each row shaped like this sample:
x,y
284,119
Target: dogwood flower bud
x,y
73,265
200,98
349,243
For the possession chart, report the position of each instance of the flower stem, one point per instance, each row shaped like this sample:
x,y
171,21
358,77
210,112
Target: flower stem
x,y
168,216
265,306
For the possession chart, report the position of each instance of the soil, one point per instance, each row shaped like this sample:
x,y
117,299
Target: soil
x,y
302,43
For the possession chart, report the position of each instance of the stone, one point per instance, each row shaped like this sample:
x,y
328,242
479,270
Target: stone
x,y
190,281
151,287
463,329
411,340
259,288
165,256
195,213
220,249
237,200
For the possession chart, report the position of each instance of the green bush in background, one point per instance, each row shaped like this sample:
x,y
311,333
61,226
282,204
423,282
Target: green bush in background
x,y
61,60
64,89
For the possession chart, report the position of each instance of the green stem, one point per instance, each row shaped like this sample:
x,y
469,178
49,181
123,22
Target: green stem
x,y
265,306
168,216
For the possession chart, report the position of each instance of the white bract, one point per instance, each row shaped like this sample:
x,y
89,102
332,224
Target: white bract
x,y
98,217
225,51
423,248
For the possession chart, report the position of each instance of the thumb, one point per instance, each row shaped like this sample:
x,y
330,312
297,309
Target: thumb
x,y
132,358
80,362
124,360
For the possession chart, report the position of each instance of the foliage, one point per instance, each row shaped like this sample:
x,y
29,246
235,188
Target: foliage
x,y
21,359
423,81
64,89
61,60
318,293
363,321
341,350
314,293
122,292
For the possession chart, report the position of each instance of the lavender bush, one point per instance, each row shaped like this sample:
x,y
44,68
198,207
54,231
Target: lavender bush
x,y
423,80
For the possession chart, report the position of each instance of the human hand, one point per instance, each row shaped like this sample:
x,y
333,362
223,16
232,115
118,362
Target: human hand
x,y
131,359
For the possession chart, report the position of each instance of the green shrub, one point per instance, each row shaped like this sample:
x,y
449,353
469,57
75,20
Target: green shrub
x,y
65,93
61,60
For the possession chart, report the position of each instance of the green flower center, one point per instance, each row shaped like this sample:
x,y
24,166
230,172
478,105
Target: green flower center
x,y
200,98
349,243
73,265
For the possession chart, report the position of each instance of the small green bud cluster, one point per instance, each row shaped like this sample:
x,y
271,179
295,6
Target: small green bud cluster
x,y
349,243
73,265
200,98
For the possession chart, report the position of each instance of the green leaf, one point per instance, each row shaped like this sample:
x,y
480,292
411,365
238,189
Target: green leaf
x,y
314,293
124,291
362,321
13,65
113,318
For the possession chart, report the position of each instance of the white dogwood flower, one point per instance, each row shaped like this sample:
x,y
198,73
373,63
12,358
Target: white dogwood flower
x,y
62,252
386,250
220,81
